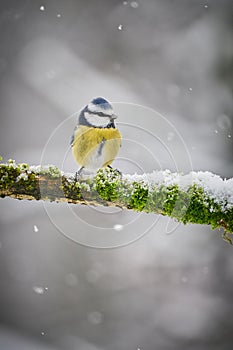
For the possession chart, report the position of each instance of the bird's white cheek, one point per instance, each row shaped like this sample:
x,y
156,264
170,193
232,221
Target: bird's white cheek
x,y
96,120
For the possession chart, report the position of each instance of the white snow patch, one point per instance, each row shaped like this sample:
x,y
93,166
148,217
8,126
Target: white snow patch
x,y
39,168
11,163
22,176
216,188
36,168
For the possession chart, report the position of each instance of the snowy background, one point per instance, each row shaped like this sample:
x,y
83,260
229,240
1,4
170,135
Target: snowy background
x,y
163,291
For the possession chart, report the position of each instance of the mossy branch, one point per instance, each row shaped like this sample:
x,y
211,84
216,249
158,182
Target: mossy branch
x,y
186,198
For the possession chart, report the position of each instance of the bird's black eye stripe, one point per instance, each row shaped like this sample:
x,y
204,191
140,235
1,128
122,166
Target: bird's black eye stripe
x,y
100,114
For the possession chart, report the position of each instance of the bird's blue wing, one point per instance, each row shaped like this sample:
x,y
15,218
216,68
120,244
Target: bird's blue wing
x,y
72,137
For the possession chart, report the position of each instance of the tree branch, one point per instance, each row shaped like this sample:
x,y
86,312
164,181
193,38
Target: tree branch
x,y
199,197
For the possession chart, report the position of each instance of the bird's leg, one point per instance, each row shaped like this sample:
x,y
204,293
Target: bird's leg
x,y
78,173
118,171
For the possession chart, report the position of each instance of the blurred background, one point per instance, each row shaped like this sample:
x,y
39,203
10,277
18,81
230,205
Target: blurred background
x,y
171,288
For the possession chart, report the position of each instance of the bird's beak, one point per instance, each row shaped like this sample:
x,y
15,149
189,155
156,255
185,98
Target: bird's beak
x,y
113,116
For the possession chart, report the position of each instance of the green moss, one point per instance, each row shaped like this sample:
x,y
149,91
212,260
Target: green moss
x,y
124,192
107,182
54,172
180,205
71,189
192,206
229,216
197,209
23,166
8,174
156,199
28,184
17,179
50,171
203,210
170,200
139,197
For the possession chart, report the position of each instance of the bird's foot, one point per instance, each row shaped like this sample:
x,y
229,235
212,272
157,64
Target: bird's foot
x,y
78,174
115,170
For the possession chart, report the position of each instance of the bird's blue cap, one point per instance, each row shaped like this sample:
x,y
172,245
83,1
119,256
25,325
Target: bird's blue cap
x,y
101,102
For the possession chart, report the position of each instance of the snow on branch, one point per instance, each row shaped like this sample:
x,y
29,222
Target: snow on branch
x,y
198,197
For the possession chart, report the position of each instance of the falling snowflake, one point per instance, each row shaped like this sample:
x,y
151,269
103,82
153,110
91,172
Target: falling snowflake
x,y
95,317
118,227
35,228
38,290
224,122
134,4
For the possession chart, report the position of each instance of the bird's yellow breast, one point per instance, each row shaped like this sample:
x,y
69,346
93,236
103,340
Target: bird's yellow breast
x,y
95,147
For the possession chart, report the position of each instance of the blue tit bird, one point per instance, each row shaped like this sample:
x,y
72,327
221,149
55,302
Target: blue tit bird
x,y
96,140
